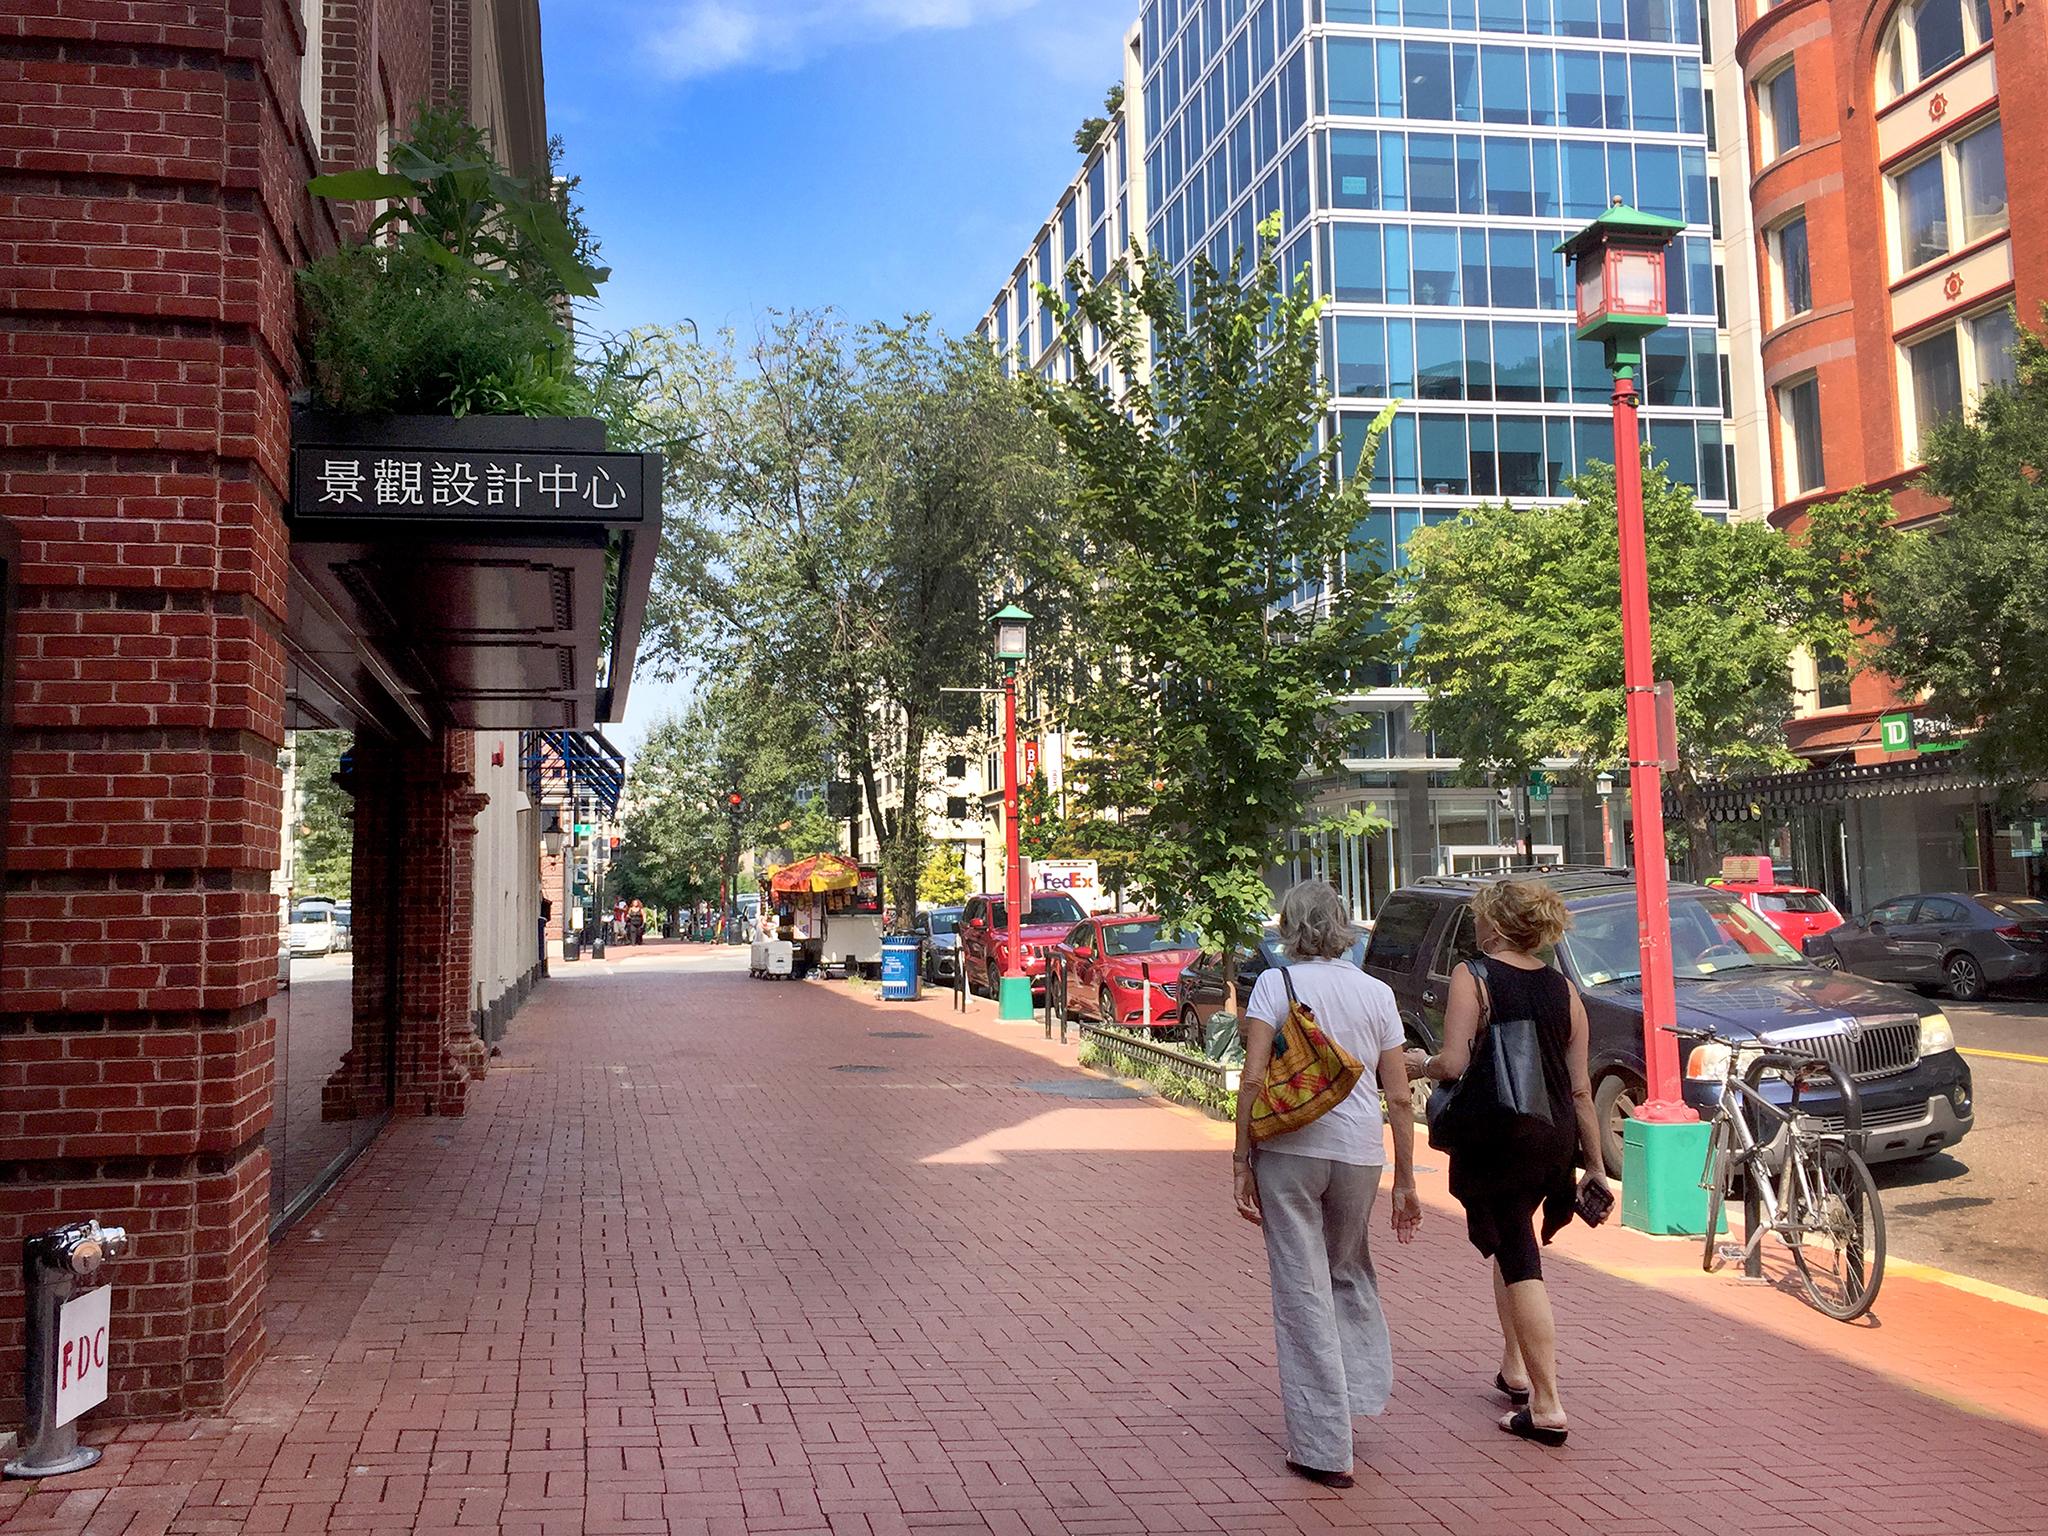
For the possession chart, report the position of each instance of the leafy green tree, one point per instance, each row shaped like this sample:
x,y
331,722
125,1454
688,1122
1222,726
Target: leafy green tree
x,y
323,855
1961,603
842,497
944,881
1201,496
1042,831
1516,622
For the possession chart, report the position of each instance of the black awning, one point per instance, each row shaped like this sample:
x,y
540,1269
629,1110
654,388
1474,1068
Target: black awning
x,y
458,572
1777,794
573,761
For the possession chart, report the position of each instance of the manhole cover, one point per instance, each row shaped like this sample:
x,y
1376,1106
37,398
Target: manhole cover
x,y
860,1067
899,1034
1082,1088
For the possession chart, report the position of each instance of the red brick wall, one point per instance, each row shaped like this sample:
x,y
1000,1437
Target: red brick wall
x,y
152,164
1847,338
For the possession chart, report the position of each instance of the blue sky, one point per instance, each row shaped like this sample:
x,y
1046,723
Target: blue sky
x,y
877,156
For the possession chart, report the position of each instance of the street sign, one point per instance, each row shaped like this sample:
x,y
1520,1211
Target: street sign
x,y
1539,785
1895,732
82,1324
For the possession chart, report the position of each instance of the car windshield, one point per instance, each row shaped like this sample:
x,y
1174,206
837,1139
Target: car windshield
x,y
1709,934
944,922
311,914
2016,909
1043,912
1276,951
1795,901
1141,938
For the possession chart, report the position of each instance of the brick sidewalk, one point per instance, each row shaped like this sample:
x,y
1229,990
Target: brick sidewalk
x,y
681,1270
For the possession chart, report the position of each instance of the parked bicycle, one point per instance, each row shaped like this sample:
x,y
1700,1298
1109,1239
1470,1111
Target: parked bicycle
x,y
1801,1180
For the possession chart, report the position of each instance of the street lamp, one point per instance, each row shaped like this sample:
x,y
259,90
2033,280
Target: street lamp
x,y
1011,626
1604,787
1618,262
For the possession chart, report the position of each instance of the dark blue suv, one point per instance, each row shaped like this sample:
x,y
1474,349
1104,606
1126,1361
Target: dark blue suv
x,y
1735,975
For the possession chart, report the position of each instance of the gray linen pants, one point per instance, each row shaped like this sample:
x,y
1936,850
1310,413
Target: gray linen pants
x,y
1335,1357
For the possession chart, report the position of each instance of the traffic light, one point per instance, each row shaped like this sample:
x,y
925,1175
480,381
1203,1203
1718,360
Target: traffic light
x,y
1506,796
735,804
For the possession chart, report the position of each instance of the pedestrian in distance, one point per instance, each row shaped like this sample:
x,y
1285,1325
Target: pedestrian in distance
x,y
636,921
1311,1189
1508,1169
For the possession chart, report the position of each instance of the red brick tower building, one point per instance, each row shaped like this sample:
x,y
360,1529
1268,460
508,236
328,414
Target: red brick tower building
x,y
153,161
1900,214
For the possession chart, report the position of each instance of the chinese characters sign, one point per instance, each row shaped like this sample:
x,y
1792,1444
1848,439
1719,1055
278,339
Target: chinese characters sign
x,y
355,482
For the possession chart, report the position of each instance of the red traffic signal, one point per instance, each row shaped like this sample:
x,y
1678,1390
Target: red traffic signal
x,y
735,802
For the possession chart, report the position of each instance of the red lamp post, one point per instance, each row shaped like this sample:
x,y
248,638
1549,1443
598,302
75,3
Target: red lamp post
x,y
1619,263
1012,630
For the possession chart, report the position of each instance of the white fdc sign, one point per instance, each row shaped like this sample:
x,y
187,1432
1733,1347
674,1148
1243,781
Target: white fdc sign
x,y
1079,878
82,1328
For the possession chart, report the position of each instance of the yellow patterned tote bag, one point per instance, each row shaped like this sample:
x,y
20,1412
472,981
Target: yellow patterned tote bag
x,y
1310,1074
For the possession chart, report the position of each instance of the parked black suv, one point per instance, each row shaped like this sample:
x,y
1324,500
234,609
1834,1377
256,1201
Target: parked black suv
x,y
1735,974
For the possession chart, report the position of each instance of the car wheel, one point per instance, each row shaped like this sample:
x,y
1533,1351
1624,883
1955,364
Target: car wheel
x,y
995,980
1827,960
1105,1008
1614,1105
1190,1030
1966,982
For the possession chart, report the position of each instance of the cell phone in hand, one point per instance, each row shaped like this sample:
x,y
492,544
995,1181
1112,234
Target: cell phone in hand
x,y
1594,1202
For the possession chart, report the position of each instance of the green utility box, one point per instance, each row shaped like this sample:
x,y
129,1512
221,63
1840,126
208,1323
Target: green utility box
x,y
1661,1167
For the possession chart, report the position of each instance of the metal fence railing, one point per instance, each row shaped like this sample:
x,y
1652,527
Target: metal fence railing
x,y
1218,1075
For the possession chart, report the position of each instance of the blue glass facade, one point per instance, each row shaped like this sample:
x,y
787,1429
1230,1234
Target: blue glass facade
x,y
1426,157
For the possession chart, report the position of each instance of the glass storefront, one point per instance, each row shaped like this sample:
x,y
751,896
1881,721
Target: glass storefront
x,y
315,1130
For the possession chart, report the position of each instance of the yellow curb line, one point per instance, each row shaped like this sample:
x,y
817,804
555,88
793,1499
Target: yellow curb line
x,y
2039,1061
1908,1270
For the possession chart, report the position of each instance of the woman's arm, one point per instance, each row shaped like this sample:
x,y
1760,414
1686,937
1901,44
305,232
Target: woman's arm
x,y
1592,1146
1258,1058
1401,1121
1461,1028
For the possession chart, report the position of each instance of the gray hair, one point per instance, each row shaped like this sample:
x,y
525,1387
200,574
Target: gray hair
x,y
1314,923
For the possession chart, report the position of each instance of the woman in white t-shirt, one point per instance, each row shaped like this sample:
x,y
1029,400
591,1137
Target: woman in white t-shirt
x,y
1312,1190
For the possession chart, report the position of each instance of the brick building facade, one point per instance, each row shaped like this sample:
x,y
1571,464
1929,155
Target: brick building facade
x,y
153,161
1896,218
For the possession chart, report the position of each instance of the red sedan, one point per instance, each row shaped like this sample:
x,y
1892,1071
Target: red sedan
x,y
1118,969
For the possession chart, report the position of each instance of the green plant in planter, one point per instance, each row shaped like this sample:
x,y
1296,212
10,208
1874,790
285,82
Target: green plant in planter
x,y
455,302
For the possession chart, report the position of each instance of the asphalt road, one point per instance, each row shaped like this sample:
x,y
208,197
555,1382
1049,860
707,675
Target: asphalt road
x,y
1981,1209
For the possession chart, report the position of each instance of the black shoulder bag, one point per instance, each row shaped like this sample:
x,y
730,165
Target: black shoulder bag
x,y
1503,1087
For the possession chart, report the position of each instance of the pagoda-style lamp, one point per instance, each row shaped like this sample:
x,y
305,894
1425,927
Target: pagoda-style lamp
x,y
1618,261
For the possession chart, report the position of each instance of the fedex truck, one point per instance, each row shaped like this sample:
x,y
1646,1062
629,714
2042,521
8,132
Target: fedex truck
x,y
1078,878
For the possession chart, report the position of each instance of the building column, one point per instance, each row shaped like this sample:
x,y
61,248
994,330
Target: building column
x,y
416,808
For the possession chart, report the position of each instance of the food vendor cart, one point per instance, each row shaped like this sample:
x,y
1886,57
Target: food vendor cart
x,y
830,911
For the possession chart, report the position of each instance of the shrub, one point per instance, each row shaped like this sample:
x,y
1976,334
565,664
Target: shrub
x,y
455,304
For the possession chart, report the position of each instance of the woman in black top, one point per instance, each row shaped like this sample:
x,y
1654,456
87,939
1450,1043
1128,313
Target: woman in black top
x,y
1504,1180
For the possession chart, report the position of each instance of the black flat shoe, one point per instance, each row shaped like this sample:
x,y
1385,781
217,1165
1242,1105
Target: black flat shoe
x,y
1519,1396
1523,1424
1321,1475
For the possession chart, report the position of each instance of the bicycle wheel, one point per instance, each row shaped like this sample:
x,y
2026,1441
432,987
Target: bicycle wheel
x,y
1840,1251
1716,1182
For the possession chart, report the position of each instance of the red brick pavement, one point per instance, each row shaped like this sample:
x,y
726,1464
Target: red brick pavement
x,y
677,1273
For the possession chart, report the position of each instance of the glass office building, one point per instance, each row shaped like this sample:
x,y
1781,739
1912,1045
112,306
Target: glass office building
x,y
1426,158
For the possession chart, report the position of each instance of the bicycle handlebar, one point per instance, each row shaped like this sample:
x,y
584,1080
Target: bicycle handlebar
x,y
1795,1065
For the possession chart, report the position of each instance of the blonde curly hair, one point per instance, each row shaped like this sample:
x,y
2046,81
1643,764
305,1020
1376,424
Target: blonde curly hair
x,y
1527,914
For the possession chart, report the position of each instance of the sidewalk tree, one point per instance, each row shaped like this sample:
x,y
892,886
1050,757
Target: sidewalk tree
x,y
1200,496
848,492
944,881
1963,603
1515,620
323,855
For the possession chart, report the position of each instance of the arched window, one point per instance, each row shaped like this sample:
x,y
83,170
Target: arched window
x,y
1925,37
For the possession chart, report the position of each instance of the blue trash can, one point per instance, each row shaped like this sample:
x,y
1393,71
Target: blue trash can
x,y
900,978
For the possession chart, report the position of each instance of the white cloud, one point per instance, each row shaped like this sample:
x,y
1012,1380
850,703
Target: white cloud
x,y
703,37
